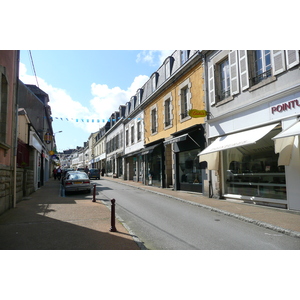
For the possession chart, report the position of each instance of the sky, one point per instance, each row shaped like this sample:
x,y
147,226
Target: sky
x,y
87,85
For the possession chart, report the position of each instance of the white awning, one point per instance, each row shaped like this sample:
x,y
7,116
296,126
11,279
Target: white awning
x,y
291,131
238,139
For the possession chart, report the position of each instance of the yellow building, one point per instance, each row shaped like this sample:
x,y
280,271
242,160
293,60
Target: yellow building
x,y
172,137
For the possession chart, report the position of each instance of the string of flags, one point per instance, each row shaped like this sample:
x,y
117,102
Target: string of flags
x,y
91,120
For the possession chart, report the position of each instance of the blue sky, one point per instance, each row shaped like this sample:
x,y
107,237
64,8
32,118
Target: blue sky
x,y
87,84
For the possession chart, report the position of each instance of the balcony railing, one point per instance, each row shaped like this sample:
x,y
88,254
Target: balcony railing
x,y
260,77
224,94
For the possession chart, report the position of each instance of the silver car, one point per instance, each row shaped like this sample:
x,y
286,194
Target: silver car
x,y
75,181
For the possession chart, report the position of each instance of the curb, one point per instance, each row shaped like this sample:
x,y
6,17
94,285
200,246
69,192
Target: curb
x,y
242,218
133,235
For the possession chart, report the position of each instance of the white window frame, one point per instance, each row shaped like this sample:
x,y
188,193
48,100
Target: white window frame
x,y
132,137
153,125
186,85
169,98
184,56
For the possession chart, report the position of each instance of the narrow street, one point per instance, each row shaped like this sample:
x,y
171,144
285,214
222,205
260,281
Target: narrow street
x,y
164,223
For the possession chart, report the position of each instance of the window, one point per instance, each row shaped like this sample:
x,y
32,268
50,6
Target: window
x,y
168,112
154,120
132,134
224,79
184,56
139,96
139,131
262,65
184,102
154,81
126,137
168,69
185,99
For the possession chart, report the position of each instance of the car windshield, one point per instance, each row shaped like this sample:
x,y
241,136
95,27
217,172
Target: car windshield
x,y
75,176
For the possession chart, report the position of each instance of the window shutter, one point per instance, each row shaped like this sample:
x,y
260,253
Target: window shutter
x,y
244,74
278,64
292,58
233,69
211,85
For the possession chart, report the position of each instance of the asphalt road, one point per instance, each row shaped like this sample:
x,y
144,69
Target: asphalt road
x,y
163,223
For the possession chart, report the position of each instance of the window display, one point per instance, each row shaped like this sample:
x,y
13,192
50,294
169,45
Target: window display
x,y
190,173
253,170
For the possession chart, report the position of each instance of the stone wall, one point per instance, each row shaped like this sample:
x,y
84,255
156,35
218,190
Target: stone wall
x,y
24,186
6,188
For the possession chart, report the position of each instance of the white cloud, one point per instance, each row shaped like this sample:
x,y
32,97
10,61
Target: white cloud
x,y
153,57
106,100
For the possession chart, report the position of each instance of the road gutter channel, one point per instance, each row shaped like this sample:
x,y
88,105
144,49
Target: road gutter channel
x,y
133,235
239,217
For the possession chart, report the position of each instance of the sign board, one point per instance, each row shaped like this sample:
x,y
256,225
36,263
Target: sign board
x,y
195,113
48,137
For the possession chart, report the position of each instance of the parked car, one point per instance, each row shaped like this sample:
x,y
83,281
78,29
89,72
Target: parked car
x,y
80,169
75,181
65,171
94,173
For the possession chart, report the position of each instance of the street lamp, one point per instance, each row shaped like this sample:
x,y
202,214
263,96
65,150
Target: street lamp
x,y
57,132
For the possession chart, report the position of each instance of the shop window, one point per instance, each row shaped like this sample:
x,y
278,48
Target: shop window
x,y
190,171
253,170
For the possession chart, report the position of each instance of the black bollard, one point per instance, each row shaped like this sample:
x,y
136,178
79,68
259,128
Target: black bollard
x,y
113,218
94,193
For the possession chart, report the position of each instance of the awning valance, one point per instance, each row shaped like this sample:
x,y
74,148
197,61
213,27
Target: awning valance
x,y
291,131
177,139
238,139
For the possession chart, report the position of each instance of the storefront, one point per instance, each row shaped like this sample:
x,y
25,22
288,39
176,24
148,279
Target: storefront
x,y
260,165
154,157
189,172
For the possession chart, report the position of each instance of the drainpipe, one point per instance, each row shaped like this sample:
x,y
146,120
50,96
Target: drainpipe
x,y
204,62
16,130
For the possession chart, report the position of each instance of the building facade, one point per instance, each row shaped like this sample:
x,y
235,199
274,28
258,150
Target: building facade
x,y
9,72
173,138
253,99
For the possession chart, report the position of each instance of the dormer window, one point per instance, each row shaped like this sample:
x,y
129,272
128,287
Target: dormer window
x,y
154,78
127,109
139,96
184,56
133,102
168,66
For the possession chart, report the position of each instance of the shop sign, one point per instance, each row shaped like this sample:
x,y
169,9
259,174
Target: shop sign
x,y
48,137
286,106
195,113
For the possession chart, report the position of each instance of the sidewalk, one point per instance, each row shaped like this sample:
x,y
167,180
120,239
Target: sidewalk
x,y
47,221
280,220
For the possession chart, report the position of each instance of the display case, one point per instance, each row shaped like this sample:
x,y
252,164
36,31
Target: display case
x,y
265,185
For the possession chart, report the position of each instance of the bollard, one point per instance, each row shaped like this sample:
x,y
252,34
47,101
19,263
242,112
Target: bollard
x,y
94,193
113,218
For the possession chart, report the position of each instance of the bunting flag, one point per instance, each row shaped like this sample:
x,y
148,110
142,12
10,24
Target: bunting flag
x,y
91,120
